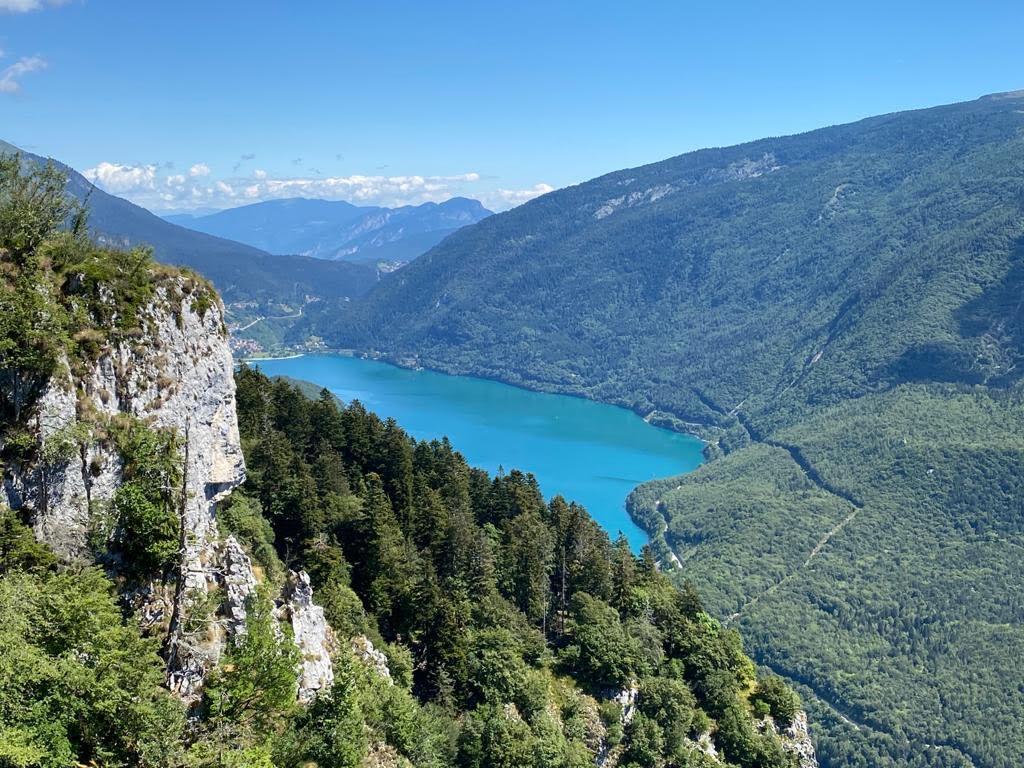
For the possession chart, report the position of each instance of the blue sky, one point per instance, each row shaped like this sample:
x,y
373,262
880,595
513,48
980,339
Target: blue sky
x,y
179,105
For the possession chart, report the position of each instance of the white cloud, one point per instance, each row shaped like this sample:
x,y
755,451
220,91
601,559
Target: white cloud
x,y
502,199
117,178
369,190
10,76
158,188
24,6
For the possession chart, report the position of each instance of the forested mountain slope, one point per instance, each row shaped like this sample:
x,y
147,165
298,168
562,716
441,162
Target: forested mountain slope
x,y
841,313
529,638
809,268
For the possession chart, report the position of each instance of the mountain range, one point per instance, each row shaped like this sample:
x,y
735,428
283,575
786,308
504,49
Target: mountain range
x,y
328,229
840,314
240,272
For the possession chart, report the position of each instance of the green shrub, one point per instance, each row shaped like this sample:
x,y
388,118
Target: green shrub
x,y
78,684
19,550
242,517
147,534
780,701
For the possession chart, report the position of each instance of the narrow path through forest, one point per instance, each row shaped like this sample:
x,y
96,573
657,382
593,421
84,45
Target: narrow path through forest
x,y
249,325
273,317
828,536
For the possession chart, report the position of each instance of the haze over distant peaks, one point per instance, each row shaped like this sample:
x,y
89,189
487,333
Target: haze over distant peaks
x,y
240,272
334,229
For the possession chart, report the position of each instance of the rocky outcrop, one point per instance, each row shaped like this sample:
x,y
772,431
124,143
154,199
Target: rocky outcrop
x,y
239,585
705,744
626,698
72,474
311,633
365,651
795,738
607,755
177,376
797,741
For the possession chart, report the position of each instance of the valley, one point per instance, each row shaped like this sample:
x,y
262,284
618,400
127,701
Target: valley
x,y
335,230
204,567
599,479
524,385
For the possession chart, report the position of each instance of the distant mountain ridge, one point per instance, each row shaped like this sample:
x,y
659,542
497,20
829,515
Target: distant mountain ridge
x,y
240,272
333,230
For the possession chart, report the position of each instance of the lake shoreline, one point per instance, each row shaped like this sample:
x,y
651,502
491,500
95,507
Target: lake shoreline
x,y
265,359
705,432
593,452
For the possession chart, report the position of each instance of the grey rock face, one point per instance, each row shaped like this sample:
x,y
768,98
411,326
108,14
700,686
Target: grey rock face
x,y
239,585
180,376
706,744
312,635
58,489
797,741
201,631
364,650
626,698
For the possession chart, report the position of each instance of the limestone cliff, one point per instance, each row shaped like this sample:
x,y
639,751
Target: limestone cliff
x,y
178,376
311,632
797,741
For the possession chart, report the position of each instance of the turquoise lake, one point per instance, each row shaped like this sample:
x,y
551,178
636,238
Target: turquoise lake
x,y
588,452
